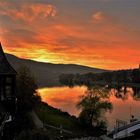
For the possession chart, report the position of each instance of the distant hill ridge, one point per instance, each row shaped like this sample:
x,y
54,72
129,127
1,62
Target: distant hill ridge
x,y
47,74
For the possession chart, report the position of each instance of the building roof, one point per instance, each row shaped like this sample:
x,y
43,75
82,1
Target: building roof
x,y
5,67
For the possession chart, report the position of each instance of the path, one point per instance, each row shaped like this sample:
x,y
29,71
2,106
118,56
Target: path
x,y
86,138
38,123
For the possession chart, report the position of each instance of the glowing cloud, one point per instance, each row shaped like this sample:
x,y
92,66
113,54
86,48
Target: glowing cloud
x,y
94,35
98,16
28,12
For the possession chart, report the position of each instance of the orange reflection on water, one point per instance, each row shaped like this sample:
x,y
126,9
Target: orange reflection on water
x,y
64,98
123,107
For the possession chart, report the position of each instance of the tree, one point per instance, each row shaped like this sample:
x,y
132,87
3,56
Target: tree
x,y
67,79
136,76
26,90
27,98
92,104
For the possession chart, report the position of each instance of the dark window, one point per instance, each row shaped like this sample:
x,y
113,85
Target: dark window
x,y
8,91
8,80
2,96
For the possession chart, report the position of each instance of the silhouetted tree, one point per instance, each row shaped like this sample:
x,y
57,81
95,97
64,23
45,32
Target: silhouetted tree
x,y
92,105
27,98
136,76
67,79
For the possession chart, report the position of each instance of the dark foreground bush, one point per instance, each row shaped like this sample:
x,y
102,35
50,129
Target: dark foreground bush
x,y
33,135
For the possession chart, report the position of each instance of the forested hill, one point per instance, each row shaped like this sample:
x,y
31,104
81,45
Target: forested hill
x,y
47,74
119,77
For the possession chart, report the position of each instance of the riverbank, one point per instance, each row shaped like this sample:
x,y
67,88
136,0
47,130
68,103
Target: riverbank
x,y
55,120
61,124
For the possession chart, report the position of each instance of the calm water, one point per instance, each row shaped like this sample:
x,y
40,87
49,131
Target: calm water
x,y
66,98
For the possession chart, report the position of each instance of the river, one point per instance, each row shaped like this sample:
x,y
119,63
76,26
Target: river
x,y
66,98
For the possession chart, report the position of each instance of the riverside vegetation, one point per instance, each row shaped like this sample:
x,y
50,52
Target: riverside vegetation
x,y
28,99
110,77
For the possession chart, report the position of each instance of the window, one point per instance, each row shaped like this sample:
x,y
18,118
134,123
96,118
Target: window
x,y
8,80
8,91
2,96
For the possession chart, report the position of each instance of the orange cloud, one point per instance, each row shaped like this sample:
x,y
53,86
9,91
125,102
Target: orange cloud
x,y
29,12
105,43
98,16
66,44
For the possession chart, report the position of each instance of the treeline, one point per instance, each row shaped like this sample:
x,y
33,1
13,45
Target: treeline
x,y
120,76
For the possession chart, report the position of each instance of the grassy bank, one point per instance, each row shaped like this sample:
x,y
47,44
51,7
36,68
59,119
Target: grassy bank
x,y
57,118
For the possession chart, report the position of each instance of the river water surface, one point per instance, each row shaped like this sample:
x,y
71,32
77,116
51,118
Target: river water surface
x,y
66,98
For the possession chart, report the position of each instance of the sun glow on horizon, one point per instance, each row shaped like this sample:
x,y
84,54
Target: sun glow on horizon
x,y
94,36
49,57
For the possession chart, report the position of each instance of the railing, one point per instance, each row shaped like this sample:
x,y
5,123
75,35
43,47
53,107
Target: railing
x,y
58,128
124,127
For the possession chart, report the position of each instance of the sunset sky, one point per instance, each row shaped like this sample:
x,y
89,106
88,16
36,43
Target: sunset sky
x,y
97,33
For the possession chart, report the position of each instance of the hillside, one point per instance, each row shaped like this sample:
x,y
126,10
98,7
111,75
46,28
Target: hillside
x,y
53,118
47,74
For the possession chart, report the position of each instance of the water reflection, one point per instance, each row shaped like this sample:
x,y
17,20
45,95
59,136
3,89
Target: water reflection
x,y
125,103
64,98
